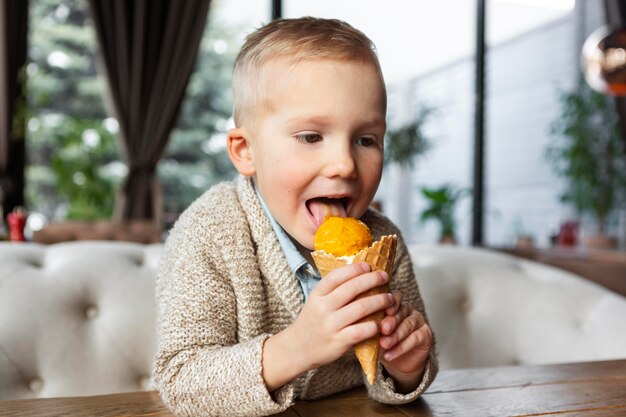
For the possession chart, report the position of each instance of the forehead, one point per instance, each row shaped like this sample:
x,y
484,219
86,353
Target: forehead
x,y
315,77
287,66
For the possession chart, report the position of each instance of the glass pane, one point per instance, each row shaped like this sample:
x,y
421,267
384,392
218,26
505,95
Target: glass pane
x,y
527,71
73,163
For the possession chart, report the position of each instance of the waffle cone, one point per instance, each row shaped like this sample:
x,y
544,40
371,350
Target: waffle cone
x,y
380,256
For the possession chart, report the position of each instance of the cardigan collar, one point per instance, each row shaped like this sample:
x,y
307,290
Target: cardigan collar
x,y
271,259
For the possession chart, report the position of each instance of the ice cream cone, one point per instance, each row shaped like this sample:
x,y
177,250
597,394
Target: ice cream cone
x,y
380,256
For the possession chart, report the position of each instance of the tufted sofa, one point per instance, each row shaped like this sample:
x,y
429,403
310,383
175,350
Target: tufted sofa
x,y
78,318
491,309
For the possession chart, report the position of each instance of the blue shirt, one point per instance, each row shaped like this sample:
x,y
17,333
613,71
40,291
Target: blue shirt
x,y
307,276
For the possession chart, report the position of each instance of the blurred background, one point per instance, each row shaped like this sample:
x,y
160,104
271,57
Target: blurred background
x,y
535,111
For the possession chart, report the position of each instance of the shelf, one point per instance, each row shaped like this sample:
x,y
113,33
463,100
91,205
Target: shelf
x,y
605,267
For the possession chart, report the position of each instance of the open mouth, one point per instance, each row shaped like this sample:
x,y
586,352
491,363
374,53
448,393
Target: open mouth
x,y
322,207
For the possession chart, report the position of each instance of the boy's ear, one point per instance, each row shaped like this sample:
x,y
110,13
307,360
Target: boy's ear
x,y
240,151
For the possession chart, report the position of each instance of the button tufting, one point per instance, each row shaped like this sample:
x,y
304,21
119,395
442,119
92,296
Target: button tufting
x,y
144,382
36,263
35,385
581,324
91,312
465,304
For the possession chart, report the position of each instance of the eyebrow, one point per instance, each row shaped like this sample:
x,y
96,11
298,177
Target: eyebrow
x,y
324,120
318,120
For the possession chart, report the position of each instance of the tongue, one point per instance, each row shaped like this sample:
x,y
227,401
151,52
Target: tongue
x,y
326,208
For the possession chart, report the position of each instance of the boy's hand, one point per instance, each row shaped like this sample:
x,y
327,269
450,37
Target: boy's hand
x,y
327,326
406,340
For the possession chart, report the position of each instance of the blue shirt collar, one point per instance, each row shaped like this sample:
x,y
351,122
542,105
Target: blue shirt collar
x,y
295,260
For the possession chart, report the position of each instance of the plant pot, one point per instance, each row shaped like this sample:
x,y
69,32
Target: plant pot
x,y
525,241
447,240
600,242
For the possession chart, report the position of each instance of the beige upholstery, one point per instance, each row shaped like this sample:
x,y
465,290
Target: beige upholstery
x,y
78,318
490,309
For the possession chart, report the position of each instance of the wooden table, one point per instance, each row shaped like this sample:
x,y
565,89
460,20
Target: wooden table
x,y
581,389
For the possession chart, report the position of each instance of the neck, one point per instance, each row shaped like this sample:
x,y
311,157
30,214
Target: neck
x,y
306,252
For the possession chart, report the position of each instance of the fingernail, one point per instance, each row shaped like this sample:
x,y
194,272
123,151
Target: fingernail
x,y
385,275
388,356
390,297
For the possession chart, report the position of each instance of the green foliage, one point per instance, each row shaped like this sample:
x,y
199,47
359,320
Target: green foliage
x,y
589,153
62,70
407,142
442,203
66,176
79,165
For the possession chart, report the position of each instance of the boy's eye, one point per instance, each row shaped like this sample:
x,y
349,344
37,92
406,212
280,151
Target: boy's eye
x,y
366,141
308,137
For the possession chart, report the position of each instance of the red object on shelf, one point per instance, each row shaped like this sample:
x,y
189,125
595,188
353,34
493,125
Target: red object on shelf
x,y
17,221
568,235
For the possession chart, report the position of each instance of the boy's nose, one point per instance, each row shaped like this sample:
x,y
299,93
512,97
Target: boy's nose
x,y
340,163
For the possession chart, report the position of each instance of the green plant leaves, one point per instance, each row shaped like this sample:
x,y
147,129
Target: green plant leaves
x,y
441,207
407,142
589,153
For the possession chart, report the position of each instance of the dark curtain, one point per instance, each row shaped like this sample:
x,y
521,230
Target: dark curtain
x,y
148,48
13,35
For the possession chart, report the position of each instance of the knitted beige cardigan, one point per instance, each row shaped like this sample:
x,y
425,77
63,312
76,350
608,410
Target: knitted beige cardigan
x,y
224,286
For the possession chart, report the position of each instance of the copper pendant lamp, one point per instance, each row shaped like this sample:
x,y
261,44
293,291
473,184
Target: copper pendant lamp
x,y
604,61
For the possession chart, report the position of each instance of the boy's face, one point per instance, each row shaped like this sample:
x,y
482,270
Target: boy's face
x,y
318,147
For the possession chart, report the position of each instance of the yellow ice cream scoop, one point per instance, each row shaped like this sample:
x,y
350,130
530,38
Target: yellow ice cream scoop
x,y
342,236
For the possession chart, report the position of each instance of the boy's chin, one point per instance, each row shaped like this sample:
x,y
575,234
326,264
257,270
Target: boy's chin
x,y
303,246
307,247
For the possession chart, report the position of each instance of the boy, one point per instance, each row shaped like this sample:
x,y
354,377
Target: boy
x,y
245,325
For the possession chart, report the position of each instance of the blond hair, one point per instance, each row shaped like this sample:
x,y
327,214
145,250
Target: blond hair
x,y
296,40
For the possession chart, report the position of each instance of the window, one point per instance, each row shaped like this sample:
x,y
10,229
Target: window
x,y
73,162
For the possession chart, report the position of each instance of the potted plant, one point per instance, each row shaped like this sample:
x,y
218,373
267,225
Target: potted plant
x,y
589,153
405,143
442,203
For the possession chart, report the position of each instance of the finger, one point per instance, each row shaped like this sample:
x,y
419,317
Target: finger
x,y
407,324
361,308
339,276
396,306
416,315
349,290
419,339
420,320
389,323
358,332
